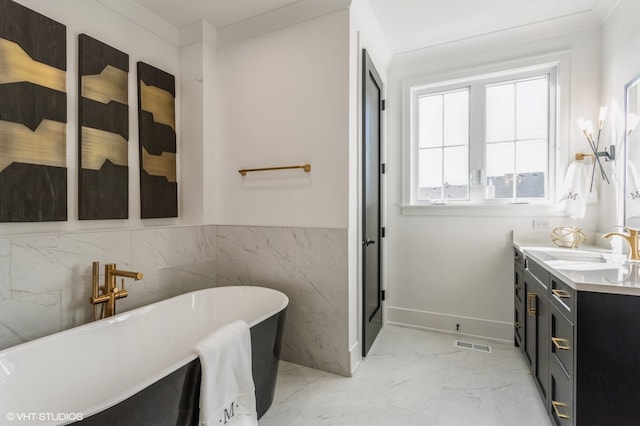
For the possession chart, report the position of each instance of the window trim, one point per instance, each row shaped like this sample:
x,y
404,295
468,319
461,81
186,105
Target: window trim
x,y
558,152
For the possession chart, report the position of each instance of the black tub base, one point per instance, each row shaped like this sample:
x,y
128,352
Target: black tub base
x,y
174,399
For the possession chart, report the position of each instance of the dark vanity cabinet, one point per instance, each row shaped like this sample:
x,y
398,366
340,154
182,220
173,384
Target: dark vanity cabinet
x,y
583,349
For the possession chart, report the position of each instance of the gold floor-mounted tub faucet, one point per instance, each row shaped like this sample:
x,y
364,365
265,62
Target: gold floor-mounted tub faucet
x,y
631,237
110,291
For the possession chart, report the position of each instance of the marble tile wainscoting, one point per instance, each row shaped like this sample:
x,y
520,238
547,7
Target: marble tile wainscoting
x,y
45,280
309,265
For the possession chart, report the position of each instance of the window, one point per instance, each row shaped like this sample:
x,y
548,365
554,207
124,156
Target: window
x,y
517,138
443,145
483,139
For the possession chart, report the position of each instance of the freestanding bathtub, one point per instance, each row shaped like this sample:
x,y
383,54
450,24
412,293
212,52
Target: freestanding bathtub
x,y
138,367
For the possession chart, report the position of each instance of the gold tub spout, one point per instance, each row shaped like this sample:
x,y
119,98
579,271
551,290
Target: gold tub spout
x,y
110,290
631,237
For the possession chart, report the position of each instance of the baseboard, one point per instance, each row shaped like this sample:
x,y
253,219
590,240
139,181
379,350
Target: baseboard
x,y
355,353
496,331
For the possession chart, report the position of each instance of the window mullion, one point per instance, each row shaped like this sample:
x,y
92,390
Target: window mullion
x,y
442,148
477,139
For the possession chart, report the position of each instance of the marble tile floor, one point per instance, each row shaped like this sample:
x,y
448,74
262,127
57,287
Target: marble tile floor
x,y
413,377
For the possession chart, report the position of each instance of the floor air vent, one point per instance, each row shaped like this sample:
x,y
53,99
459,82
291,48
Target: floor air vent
x,y
472,346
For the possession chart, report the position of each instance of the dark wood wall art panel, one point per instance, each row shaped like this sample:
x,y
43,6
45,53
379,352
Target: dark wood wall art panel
x,y
33,116
156,115
103,131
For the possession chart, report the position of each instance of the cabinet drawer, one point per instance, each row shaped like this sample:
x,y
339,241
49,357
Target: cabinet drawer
x,y
561,391
538,272
561,345
518,324
518,283
563,297
518,258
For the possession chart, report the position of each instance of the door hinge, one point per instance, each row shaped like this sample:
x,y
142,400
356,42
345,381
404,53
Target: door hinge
x,y
383,232
383,105
383,294
383,168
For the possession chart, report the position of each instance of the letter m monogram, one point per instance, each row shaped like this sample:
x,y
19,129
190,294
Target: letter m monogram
x,y
228,414
572,196
635,195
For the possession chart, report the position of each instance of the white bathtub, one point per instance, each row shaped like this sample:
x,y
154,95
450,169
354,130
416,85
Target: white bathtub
x,y
89,368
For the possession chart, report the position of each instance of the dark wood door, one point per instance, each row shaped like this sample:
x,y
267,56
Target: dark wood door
x,y
371,221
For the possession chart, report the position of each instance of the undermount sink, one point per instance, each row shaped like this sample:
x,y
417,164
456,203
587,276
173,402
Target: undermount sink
x,y
582,261
564,259
570,265
579,257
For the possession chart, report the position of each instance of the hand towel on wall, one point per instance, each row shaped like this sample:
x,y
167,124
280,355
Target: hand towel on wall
x,y
576,189
227,391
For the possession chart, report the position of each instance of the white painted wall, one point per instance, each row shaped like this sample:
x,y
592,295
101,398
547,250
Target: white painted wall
x,y
364,33
198,82
123,33
448,270
620,64
283,100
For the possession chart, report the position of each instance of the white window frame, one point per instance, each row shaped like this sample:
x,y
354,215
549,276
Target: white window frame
x,y
557,66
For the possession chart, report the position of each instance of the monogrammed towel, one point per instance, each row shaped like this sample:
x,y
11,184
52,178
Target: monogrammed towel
x,y
576,190
227,391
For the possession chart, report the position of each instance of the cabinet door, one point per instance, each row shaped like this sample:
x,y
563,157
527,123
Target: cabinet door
x,y
537,336
543,341
518,304
530,324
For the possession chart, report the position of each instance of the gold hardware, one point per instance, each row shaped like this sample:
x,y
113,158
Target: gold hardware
x,y
518,286
557,404
580,156
110,290
518,257
563,294
530,308
562,344
631,237
305,167
518,325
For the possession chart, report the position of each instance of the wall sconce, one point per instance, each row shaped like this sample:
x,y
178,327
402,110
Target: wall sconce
x,y
586,126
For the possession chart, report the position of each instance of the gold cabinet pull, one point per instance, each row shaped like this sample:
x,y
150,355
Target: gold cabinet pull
x,y
563,294
561,344
518,286
531,297
557,404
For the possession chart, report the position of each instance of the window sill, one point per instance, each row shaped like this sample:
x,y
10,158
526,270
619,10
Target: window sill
x,y
487,209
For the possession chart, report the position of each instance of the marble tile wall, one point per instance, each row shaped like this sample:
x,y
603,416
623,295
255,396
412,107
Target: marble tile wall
x,y
310,267
45,281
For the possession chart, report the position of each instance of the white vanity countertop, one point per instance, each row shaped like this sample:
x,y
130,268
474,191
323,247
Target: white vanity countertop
x,y
589,268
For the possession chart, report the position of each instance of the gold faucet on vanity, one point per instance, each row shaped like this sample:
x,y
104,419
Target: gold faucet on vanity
x,y
110,290
631,237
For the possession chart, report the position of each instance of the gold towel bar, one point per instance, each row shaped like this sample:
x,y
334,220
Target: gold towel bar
x,y
306,167
580,156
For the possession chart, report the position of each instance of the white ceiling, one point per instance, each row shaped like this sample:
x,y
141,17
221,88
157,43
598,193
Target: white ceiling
x,y
219,13
407,24
414,24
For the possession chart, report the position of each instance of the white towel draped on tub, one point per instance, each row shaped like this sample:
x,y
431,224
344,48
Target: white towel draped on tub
x,y
227,391
576,189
